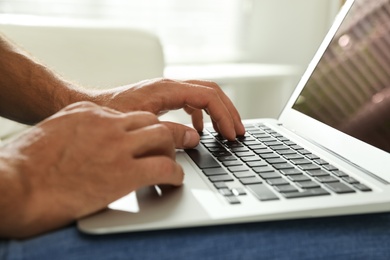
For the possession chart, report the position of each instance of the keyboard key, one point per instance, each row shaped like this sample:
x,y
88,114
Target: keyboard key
x,y
239,149
257,163
262,192
268,140
209,140
246,138
278,181
219,178
221,153
213,145
244,154
330,167
276,160
273,143
293,156
278,148
214,171
252,142
301,161
205,135
339,187
241,168
286,141
246,174
232,163
362,187
293,171
264,151
285,188
257,146
263,169
321,162
270,175
299,177
225,192
269,155
304,152
308,184
233,200
296,147
216,149
318,173
288,152
305,193
251,158
239,191
350,180
339,173
326,179
312,156
220,185
202,157
232,144
250,180
226,158
307,167
282,166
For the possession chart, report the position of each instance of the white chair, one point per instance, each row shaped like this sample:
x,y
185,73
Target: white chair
x,y
98,56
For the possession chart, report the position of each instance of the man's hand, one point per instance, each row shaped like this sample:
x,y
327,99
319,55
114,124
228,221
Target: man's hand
x,y
161,95
77,162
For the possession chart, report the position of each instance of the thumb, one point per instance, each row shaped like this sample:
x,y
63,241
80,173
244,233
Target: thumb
x,y
184,136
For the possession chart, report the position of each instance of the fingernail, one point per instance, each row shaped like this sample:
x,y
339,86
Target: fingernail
x,y
191,139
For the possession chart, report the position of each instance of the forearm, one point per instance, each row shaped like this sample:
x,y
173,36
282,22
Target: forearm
x,y
14,197
30,92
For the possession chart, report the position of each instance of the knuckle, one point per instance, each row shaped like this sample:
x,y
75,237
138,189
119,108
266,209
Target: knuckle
x,y
163,131
212,92
168,168
148,116
213,84
81,104
165,81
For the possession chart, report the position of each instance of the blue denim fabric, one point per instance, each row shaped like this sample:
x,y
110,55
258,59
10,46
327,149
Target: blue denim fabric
x,y
350,237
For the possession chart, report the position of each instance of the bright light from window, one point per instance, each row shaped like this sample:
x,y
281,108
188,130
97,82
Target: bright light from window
x,y
191,31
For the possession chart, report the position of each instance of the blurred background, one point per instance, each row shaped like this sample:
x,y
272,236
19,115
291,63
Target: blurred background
x,y
255,49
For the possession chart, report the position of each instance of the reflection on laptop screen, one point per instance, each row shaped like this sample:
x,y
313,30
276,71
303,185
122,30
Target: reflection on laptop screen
x,y
350,87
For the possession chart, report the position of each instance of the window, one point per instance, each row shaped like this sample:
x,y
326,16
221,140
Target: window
x,y
191,31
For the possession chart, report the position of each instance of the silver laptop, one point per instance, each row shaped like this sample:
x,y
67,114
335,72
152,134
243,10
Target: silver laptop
x,y
327,154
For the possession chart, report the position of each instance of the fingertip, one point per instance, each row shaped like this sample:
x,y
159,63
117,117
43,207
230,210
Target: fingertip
x,y
197,120
240,128
191,139
180,176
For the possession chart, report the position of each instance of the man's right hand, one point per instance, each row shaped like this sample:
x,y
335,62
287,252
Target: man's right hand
x,y
78,161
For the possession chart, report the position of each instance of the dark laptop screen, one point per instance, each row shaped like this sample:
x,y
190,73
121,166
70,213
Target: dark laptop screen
x,y
350,86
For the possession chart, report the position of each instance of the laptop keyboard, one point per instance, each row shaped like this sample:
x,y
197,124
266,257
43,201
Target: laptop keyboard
x,y
268,165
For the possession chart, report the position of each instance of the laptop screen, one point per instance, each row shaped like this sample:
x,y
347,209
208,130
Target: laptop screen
x,y
350,87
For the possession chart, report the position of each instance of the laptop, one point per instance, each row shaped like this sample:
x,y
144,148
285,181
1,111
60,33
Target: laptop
x,y
326,155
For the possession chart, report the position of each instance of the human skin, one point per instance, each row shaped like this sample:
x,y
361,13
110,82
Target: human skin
x,y
88,147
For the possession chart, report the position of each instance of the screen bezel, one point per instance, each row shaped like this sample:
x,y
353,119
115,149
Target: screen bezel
x,y
352,149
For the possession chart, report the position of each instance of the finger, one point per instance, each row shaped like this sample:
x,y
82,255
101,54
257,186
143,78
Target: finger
x,y
158,170
152,140
239,127
134,120
196,117
215,126
177,94
184,136
203,97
